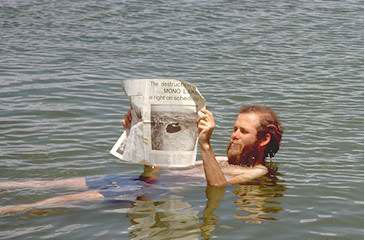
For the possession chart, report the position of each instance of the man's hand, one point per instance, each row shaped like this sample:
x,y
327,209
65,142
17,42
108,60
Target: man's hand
x,y
126,121
206,125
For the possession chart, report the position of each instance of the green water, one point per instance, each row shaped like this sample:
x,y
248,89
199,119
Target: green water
x,y
61,66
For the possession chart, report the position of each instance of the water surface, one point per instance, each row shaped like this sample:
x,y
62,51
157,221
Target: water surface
x,y
61,68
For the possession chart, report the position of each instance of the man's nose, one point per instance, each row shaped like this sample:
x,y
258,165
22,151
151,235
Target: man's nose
x,y
235,134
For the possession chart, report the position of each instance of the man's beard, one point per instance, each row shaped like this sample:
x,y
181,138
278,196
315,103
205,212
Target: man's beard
x,y
243,155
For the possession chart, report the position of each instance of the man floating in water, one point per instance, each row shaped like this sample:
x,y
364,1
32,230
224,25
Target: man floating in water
x,y
256,135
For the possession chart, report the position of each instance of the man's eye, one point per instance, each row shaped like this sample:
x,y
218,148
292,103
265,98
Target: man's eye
x,y
242,130
173,128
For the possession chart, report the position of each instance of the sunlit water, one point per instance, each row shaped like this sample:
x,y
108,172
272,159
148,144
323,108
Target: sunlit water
x,y
61,66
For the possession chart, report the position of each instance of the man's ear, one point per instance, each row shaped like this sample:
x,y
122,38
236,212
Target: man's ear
x,y
265,140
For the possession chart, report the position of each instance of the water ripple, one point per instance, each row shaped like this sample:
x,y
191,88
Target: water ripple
x,y
61,68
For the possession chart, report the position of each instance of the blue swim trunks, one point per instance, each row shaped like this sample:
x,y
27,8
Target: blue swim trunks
x,y
120,187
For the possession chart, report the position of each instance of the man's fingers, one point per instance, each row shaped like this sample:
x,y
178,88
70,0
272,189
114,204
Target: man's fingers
x,y
202,124
205,125
129,115
126,120
204,110
205,114
122,122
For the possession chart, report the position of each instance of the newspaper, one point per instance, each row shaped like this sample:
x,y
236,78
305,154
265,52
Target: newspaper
x,y
164,129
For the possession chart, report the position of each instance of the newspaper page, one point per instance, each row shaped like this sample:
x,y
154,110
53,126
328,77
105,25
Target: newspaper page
x,y
163,130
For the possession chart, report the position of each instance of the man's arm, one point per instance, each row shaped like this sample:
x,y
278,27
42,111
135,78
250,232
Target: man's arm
x,y
90,196
150,173
213,172
74,183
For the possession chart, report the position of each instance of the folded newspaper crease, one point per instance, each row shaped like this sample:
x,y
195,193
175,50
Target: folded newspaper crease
x,y
163,131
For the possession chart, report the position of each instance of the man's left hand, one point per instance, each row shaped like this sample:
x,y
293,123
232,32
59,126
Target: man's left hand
x,y
206,125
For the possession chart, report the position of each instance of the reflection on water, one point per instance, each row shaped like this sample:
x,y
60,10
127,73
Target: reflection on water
x,y
175,218
210,219
256,203
170,218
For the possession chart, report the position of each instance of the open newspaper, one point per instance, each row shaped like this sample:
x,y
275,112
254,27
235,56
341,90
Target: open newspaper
x,y
163,130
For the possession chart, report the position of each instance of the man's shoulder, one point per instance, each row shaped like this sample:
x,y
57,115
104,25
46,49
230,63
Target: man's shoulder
x,y
218,158
234,170
221,158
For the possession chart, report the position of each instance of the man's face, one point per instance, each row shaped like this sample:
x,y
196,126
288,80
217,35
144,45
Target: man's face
x,y
243,138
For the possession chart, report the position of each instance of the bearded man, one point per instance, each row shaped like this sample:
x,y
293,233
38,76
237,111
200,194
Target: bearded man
x,y
256,135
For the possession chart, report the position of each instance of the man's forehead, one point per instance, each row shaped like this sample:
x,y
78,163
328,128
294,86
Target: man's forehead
x,y
251,119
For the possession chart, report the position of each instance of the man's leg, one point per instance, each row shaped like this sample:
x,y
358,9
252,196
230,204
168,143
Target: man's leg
x,y
75,183
90,196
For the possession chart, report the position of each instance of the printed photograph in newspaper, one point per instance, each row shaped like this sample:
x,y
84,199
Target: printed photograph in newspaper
x,y
173,128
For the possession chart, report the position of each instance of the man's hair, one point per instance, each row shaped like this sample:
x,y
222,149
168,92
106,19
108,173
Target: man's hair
x,y
269,123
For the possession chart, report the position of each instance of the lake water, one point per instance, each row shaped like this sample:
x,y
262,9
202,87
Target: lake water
x,y
61,67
